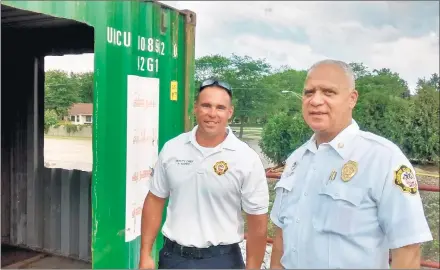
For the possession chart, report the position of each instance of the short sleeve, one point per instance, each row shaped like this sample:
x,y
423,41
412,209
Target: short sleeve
x,y
400,209
158,184
275,212
282,188
255,191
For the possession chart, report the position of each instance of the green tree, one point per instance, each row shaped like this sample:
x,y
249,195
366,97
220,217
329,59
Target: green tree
x,y
383,80
425,123
283,134
251,97
50,119
244,74
387,116
61,92
83,82
287,86
360,70
384,107
433,81
211,66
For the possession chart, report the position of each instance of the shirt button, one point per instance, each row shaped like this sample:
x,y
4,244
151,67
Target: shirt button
x,y
305,193
297,220
294,249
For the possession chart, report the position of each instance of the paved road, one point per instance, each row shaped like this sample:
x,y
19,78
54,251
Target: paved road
x,y
68,154
254,145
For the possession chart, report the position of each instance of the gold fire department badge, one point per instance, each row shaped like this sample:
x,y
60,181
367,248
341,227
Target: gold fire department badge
x,y
220,167
404,178
349,170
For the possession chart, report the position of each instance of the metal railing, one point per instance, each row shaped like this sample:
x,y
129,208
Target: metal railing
x,y
422,187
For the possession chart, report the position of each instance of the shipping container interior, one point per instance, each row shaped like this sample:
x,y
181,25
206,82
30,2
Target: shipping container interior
x,y
42,209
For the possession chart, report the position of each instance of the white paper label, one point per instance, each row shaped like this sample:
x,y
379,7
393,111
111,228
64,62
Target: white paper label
x,y
142,147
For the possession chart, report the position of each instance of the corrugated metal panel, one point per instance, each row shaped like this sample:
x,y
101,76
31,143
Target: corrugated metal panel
x,y
64,225
21,139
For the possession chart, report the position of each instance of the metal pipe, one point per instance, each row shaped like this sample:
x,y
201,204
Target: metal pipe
x,y
435,265
424,187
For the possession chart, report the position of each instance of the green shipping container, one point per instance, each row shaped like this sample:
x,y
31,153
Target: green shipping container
x,y
143,96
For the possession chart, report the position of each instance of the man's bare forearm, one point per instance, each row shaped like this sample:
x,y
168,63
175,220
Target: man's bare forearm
x,y
407,257
151,220
277,250
256,240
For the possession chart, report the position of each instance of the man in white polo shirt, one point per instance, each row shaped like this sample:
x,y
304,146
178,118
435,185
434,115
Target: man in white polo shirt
x,y
209,176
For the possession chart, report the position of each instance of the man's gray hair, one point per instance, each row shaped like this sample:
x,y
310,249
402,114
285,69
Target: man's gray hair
x,y
344,66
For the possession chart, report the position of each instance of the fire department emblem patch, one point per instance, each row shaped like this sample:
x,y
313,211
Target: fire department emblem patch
x,y
220,167
405,179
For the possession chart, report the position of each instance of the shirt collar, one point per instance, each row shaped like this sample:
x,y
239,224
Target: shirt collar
x,y
229,143
341,143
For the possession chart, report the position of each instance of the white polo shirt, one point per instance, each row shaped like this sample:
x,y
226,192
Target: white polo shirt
x,y
208,188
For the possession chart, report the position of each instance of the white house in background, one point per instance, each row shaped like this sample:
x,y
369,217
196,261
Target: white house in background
x,y
81,113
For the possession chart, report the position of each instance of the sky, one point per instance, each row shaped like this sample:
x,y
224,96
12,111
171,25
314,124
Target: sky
x,y
400,35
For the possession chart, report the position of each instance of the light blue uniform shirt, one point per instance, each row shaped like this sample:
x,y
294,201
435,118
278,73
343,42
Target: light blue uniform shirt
x,y
331,223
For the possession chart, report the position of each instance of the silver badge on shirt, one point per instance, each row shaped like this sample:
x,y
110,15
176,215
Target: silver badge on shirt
x,y
291,170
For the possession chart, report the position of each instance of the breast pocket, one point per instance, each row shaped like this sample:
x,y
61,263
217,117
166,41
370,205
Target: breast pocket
x,y
339,207
288,196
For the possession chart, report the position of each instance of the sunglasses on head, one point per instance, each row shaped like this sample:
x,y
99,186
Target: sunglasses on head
x,y
221,84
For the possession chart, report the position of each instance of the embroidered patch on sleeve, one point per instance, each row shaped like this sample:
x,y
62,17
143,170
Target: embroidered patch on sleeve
x,y
405,179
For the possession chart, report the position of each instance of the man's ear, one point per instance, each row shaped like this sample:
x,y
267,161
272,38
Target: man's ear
x,y
194,107
353,98
231,112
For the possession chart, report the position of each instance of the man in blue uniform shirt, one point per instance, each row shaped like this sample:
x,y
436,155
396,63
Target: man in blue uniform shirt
x,y
346,197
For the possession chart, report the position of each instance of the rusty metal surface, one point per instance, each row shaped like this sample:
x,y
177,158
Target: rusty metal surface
x,y
190,27
435,265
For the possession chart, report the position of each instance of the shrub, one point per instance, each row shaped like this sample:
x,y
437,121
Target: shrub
x,y
50,119
283,134
72,128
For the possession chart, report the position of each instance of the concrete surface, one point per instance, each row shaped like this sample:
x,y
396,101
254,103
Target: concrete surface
x,y
54,262
266,262
254,145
